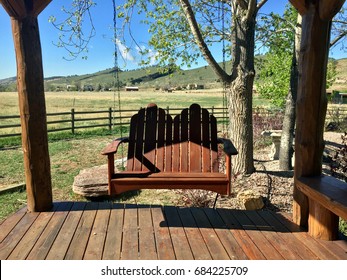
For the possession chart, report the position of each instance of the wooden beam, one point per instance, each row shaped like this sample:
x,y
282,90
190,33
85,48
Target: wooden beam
x,y
32,107
22,8
300,5
311,104
329,8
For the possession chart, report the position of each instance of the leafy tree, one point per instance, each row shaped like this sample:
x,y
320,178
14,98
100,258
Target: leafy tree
x,y
277,34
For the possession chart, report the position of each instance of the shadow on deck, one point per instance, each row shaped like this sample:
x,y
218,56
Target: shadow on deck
x,y
91,230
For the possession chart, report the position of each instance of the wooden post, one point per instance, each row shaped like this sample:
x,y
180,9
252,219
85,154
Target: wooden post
x,y
73,121
311,104
110,119
33,112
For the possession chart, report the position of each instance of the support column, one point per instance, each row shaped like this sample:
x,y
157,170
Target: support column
x,y
30,85
311,104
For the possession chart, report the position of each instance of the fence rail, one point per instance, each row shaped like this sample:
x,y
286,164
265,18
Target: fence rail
x,y
110,119
77,120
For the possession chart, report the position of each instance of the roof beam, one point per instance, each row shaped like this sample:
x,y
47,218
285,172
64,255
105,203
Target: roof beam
x,y
300,5
21,8
329,8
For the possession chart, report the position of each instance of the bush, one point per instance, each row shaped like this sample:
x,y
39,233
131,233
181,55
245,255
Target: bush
x,y
338,166
265,120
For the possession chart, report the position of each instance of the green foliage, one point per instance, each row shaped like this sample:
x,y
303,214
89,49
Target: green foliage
x,y
274,78
277,34
172,41
331,72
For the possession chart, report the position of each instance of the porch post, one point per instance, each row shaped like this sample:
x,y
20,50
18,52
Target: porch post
x,y
32,106
311,100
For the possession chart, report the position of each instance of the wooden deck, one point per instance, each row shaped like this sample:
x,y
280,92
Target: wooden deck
x,y
88,230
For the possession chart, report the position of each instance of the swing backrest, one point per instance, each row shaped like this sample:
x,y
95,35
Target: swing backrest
x,y
159,143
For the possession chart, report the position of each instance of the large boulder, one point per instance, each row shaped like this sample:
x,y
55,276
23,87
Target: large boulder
x,y
91,182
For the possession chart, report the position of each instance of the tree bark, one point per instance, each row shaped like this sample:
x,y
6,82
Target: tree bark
x,y
33,113
241,88
286,147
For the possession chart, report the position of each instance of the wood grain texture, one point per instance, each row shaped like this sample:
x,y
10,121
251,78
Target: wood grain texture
x,y
311,104
132,232
32,107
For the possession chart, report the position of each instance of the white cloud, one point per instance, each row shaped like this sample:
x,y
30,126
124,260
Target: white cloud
x,y
124,51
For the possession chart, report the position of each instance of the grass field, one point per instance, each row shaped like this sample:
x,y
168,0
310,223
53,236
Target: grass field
x,y
64,101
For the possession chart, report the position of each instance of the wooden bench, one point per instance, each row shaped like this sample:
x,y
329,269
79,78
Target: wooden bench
x,y
327,202
166,152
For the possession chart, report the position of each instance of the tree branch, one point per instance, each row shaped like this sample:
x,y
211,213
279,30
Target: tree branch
x,y
189,14
261,4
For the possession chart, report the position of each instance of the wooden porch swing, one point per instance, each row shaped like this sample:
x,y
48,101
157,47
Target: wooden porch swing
x,y
166,152
173,153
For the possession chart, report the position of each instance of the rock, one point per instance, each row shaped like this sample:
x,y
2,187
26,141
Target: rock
x,y
91,182
251,200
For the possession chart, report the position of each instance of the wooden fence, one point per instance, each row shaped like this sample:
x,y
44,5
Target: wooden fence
x,y
110,119
77,120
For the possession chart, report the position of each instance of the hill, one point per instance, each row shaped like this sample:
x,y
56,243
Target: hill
x,y
150,77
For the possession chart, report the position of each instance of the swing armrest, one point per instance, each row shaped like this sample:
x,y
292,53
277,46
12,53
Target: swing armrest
x,y
112,147
228,146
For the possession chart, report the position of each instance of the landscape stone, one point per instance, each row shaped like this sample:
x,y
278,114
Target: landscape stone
x,y
91,182
251,200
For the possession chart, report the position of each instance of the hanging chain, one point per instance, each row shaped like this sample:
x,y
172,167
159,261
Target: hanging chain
x,y
225,103
116,80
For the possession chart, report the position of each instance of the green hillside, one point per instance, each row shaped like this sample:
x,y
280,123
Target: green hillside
x,y
150,77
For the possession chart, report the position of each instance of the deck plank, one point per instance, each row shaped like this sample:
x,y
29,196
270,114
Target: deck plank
x,y
162,235
113,242
95,246
273,238
29,239
44,243
80,239
229,242
14,236
147,246
296,245
245,241
260,240
178,236
307,240
195,239
67,231
8,224
130,244
210,237
155,232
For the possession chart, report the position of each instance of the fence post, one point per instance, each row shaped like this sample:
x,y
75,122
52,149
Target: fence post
x,y
168,110
73,121
110,118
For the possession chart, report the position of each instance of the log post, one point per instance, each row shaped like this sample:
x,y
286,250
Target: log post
x,y
311,104
33,112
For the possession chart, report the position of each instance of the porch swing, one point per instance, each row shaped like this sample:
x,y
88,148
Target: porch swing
x,y
166,152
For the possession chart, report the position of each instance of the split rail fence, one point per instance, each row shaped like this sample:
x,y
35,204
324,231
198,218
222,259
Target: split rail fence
x,y
111,119
81,120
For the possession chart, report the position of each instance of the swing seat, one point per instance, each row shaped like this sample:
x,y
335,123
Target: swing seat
x,y
171,153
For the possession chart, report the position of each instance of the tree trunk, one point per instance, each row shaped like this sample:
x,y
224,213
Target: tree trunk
x,y
241,86
286,147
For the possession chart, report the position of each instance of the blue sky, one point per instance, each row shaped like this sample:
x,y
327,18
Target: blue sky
x,y
101,47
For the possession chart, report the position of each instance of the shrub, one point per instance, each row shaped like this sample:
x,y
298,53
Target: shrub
x,y
338,166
